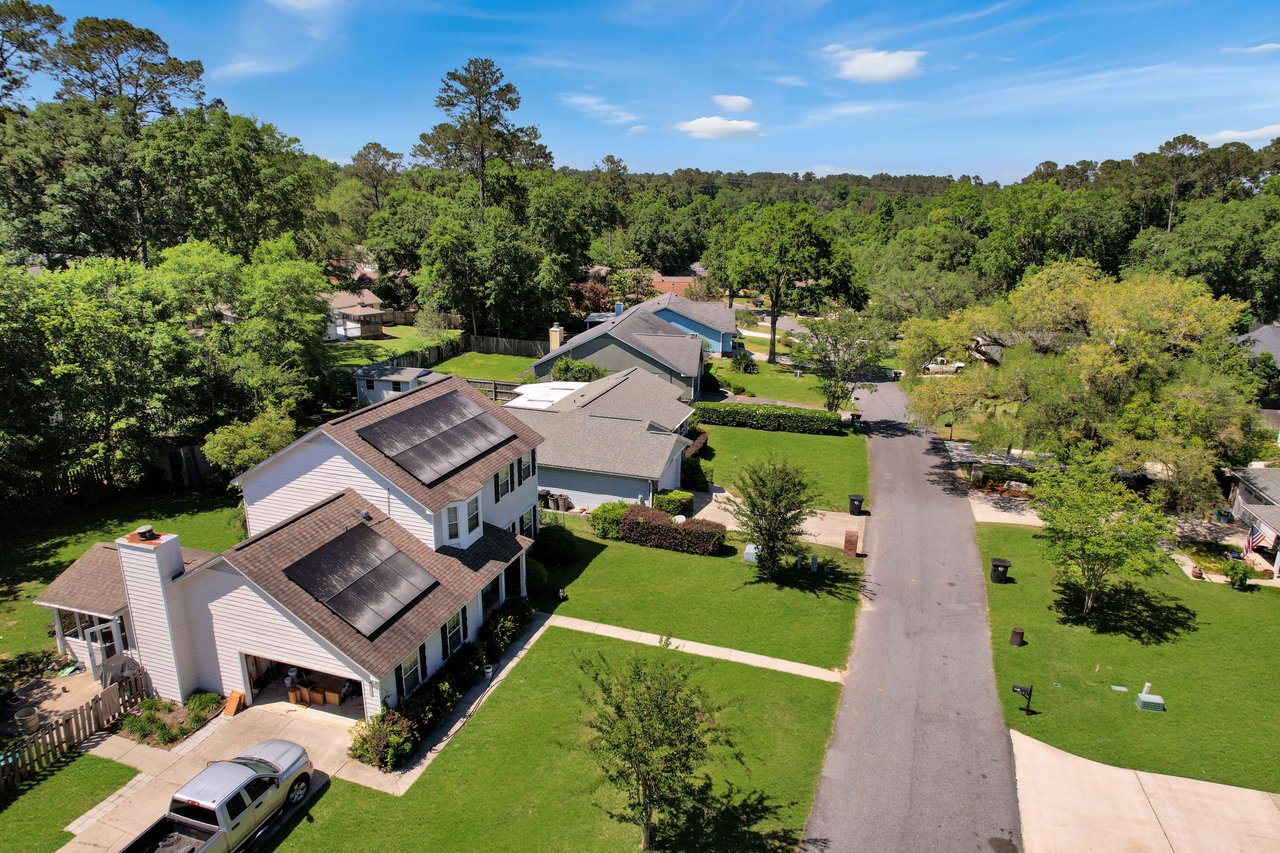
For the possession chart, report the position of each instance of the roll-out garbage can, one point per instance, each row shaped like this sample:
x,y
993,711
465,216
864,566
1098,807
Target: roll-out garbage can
x,y
855,504
1015,637
999,570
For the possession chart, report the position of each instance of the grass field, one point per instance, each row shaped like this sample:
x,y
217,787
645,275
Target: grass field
x,y
773,382
836,464
519,777
34,821
1206,648
28,563
359,353
475,365
715,600
761,345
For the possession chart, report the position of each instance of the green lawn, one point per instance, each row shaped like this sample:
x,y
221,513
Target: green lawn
x,y
476,365
358,353
29,563
714,600
836,464
761,345
1207,649
773,382
518,776
34,821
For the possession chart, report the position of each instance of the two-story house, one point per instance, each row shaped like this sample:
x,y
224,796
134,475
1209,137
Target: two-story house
x,y
378,542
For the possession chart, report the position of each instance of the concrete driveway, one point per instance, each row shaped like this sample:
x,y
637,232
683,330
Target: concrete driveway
x,y
825,528
919,759
1070,804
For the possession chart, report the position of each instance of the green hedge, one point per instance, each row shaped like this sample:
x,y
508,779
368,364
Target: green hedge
x,y
767,417
674,502
653,528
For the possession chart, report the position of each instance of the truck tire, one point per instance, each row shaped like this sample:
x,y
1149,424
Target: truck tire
x,y
298,790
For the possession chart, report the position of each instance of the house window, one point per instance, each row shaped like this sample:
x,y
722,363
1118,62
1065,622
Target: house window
x,y
411,672
473,514
451,514
528,521
368,385
526,468
504,482
452,634
397,386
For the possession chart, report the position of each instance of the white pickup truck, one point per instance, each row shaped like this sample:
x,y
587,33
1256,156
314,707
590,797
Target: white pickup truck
x,y
225,807
942,364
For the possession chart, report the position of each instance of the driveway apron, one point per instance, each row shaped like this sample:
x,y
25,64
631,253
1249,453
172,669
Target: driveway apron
x,y
920,759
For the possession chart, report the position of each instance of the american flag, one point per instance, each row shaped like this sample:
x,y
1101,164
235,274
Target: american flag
x,y
1254,540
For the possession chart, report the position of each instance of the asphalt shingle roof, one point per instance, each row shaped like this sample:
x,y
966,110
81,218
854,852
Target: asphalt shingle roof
x,y
1264,481
651,335
462,574
631,393
580,441
95,584
717,315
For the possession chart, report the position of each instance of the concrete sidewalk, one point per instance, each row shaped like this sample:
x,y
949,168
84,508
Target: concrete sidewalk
x,y
990,507
704,650
1070,804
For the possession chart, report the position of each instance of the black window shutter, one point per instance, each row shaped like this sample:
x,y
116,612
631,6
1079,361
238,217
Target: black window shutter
x,y
511,474
444,640
422,662
520,472
533,461
497,496
399,683
466,629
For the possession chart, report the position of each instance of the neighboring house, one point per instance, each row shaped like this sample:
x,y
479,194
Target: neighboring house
x,y
377,382
378,542
714,322
1263,339
618,438
354,315
634,338
1255,500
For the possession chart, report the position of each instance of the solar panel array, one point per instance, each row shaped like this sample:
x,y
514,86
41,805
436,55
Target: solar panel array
x,y
438,437
362,578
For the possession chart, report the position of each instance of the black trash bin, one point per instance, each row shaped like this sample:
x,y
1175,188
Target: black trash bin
x,y
855,504
1016,637
544,498
999,570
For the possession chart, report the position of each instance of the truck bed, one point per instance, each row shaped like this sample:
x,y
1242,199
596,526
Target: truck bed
x,y
171,835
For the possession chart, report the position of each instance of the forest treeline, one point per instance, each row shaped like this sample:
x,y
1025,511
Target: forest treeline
x,y
155,210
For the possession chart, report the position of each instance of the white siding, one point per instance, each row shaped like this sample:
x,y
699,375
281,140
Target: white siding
x,y
155,613
590,490
670,478
77,649
512,505
232,617
314,470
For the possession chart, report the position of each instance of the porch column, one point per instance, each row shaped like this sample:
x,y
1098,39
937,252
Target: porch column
x,y
502,587
57,628
523,591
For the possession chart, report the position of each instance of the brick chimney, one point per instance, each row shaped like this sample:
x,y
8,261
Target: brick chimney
x,y
150,562
556,338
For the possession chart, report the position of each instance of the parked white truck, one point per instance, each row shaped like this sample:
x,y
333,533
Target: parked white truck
x,y
225,807
942,364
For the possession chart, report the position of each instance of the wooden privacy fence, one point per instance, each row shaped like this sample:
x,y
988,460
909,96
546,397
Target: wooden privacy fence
x,y
62,732
499,392
506,346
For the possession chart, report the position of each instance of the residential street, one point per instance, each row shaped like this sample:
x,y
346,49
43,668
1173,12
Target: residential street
x,y
920,758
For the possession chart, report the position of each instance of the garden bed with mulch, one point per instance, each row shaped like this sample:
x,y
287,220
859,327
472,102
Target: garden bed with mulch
x,y
160,722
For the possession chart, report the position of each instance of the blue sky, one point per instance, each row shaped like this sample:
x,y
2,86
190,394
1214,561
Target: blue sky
x,y
783,85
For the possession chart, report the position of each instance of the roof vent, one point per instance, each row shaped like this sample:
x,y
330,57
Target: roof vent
x,y
365,514
146,533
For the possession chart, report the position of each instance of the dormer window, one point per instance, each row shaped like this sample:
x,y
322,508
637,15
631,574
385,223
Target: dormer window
x,y
473,514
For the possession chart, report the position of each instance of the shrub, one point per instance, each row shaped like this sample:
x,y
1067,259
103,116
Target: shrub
x,y
674,502
606,517
746,318
567,369
653,528
710,383
383,741
1238,574
743,362
535,575
768,417
699,439
695,475
555,546
204,702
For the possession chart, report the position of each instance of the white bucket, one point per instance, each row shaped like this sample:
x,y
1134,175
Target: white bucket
x,y
288,682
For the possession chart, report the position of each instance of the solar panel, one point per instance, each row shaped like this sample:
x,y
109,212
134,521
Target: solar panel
x,y
438,437
362,578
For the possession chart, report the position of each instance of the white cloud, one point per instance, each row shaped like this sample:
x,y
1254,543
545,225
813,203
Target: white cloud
x,y
596,107
733,103
1266,132
790,80
282,35
874,66
719,127
1257,48
637,129
249,67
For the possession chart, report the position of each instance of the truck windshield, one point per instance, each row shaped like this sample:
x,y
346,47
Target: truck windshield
x,y
195,812
256,766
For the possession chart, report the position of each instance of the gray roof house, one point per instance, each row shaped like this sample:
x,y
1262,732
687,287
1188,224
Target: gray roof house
x,y
714,322
1255,500
376,382
636,338
617,438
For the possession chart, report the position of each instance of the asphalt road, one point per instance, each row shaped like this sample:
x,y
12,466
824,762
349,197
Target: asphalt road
x,y
920,759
